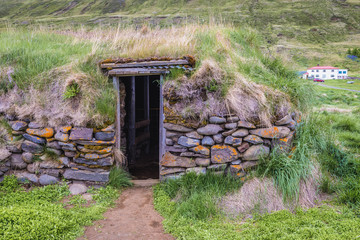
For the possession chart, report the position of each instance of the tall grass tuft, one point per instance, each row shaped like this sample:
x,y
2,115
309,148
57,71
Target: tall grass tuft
x,y
119,178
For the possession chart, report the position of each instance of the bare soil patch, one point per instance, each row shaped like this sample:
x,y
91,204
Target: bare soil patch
x,y
133,218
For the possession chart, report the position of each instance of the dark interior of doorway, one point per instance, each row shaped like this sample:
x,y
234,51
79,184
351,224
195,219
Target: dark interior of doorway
x,y
144,163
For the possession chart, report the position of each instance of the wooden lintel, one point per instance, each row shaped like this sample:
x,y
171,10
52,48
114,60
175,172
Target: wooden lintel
x,y
144,64
142,138
124,72
141,124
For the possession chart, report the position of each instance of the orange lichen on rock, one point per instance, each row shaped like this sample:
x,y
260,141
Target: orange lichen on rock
x,y
45,132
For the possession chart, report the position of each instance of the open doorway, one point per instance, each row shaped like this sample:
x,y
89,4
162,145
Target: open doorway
x,y
142,125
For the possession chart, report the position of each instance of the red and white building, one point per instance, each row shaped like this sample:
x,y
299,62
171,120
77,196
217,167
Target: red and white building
x,y
325,73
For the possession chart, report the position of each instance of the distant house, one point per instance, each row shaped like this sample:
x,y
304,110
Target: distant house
x,y
325,73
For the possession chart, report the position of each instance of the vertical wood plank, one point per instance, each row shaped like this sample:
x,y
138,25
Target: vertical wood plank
x,y
132,129
116,84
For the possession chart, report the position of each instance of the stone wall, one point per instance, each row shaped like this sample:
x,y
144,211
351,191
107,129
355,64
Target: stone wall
x,y
224,145
45,155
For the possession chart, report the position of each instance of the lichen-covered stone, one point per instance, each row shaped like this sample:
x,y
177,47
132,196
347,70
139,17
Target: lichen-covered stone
x,y
34,139
105,136
95,143
243,124
232,119
218,138
285,120
80,133
233,141
223,154
166,171
47,179
234,169
200,150
17,162
217,120
65,129
50,164
28,146
197,170
253,139
27,157
272,132
170,160
188,142
177,128
243,132
256,152
210,129
63,137
45,132
19,125
54,145
243,147
103,162
231,125
175,149
291,125
248,165
228,133
50,171
65,161
95,155
202,162
110,128
35,125
194,134
104,150
283,144
207,141
84,175
217,167
67,146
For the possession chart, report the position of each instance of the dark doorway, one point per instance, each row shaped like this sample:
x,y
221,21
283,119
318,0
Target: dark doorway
x,y
142,129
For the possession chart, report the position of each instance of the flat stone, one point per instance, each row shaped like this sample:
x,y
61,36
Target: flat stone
x,y
203,162
240,133
248,165
51,171
171,134
217,167
28,146
187,154
47,179
169,142
283,144
244,124
63,137
110,128
188,142
285,120
210,129
4,154
53,144
272,132
14,148
34,139
218,138
175,149
84,175
50,164
253,139
228,133
80,133
217,120
237,162
65,161
166,171
67,146
256,152
105,136
33,167
243,147
70,154
195,135
177,128
291,125
65,129
231,125
172,176
170,160
200,150
17,162
104,150
102,162
197,170
55,151
35,125
77,188
232,119
234,168
45,132
207,141
223,154
19,126
95,143
24,176
27,157
230,140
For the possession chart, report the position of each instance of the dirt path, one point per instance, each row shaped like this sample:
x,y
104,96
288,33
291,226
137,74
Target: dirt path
x,y
133,218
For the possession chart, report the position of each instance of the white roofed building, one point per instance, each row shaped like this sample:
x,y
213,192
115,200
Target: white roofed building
x,y
325,73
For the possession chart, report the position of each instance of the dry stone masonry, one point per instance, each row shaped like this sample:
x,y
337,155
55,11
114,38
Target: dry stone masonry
x,y
226,145
45,155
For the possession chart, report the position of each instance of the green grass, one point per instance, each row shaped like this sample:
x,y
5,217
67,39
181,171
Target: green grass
x,y
342,83
119,178
40,214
